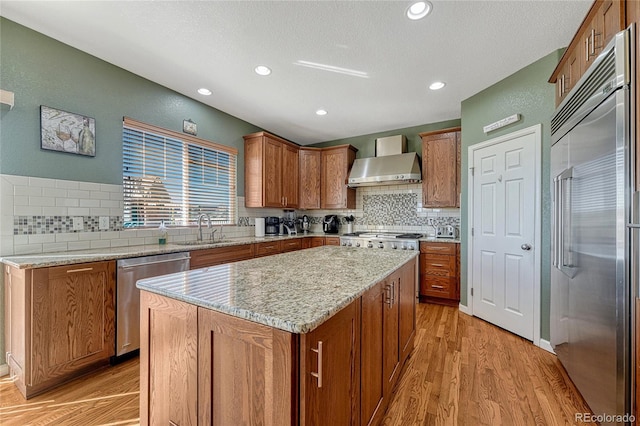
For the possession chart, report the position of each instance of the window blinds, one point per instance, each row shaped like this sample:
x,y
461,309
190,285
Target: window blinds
x,y
174,177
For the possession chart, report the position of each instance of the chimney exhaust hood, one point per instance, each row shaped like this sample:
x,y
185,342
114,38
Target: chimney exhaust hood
x,y
392,165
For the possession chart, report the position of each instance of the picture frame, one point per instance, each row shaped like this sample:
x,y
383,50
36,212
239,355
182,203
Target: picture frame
x,y
67,132
190,127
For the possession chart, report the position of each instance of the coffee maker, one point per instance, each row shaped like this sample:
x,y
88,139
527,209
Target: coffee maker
x,y
330,224
271,225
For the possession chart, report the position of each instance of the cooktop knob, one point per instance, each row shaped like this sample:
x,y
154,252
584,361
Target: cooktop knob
x,y
394,246
411,248
404,247
380,245
370,245
344,243
349,244
357,244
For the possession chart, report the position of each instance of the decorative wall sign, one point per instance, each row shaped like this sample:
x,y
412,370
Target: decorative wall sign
x,y
501,123
67,132
189,127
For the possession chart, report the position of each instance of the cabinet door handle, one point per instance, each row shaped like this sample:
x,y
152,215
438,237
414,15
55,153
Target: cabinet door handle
x,y
586,49
79,270
439,265
438,287
318,375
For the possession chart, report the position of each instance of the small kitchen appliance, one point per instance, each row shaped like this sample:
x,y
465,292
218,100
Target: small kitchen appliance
x,y
271,225
382,240
330,224
306,224
447,231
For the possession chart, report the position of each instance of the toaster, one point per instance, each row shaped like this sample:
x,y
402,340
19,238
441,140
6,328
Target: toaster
x,y
447,231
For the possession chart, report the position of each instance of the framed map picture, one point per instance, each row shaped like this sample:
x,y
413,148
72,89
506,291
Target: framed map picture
x,y
67,132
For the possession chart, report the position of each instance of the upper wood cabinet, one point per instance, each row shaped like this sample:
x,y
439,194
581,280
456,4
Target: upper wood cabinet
x,y
270,171
441,168
336,164
310,172
60,322
603,21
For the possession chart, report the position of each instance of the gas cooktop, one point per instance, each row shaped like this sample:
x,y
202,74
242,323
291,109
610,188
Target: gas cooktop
x,y
382,234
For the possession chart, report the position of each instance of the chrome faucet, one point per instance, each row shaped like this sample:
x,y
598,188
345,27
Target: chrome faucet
x,y
220,235
203,215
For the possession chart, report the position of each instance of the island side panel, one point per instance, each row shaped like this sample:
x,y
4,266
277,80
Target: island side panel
x,y
246,371
168,361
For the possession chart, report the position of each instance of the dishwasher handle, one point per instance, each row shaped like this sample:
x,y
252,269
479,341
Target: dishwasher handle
x,y
137,265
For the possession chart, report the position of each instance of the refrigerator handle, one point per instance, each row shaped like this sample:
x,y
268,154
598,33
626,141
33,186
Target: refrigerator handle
x,y
563,256
556,220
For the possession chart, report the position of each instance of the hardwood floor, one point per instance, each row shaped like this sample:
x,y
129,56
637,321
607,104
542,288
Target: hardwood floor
x,y
463,371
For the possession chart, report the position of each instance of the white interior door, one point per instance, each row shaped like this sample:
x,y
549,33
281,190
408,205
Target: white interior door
x,y
504,232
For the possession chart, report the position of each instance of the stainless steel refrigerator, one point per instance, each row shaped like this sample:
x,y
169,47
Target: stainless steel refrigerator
x,y
595,256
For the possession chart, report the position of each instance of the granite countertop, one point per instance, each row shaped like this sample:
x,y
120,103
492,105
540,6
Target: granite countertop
x,y
295,291
440,240
42,260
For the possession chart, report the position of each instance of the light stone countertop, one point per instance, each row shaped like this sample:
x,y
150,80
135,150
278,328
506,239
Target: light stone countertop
x,y
295,291
43,260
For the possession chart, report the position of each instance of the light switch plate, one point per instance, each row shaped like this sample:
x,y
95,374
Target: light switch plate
x,y
104,223
78,223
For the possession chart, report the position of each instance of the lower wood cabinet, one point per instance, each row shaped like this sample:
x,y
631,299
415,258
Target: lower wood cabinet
x,y
439,272
219,255
268,248
59,322
203,367
331,241
330,371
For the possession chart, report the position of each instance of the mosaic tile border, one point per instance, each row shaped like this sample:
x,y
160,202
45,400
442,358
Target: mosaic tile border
x,y
33,225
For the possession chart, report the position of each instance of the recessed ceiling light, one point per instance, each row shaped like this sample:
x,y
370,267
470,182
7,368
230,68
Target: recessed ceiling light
x,y
204,91
262,70
437,85
419,10
321,112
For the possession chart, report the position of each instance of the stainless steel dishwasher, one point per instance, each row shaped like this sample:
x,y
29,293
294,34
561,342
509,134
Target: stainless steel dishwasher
x,y
128,296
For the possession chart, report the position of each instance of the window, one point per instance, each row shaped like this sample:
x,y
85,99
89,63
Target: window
x,y
174,177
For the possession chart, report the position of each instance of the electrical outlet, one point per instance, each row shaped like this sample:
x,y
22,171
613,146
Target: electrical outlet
x,y
78,223
104,223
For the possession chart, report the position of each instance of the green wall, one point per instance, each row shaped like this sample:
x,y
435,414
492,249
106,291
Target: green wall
x,y
366,143
43,71
527,93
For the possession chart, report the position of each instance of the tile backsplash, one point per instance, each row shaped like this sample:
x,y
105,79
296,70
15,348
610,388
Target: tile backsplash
x,y
37,214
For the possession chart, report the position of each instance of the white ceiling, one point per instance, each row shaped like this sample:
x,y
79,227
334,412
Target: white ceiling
x,y
185,45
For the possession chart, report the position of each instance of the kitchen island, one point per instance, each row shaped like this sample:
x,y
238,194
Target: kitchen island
x,y
317,336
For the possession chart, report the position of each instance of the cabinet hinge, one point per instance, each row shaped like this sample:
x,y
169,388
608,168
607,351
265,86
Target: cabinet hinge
x,y
471,291
472,169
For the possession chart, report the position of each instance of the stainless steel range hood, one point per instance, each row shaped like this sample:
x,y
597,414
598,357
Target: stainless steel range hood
x,y
392,165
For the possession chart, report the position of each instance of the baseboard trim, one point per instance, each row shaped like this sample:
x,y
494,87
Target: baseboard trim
x,y
464,309
4,370
546,345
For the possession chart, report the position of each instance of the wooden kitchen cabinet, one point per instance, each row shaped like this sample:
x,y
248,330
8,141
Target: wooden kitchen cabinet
x,y
331,241
59,323
168,355
336,164
271,171
219,255
441,168
291,245
330,371
603,21
310,177
439,276
245,372
268,248
387,336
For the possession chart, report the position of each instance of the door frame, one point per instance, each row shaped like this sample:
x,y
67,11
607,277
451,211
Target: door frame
x,y
536,130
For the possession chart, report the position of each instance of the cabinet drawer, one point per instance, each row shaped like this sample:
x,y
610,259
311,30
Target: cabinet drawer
x,y
290,245
436,286
219,255
436,264
438,248
331,241
317,241
268,248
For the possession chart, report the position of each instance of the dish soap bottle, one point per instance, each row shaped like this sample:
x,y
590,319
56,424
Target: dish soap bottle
x,y
162,234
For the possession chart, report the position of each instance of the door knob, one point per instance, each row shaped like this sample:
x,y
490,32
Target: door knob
x,y
526,247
